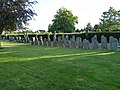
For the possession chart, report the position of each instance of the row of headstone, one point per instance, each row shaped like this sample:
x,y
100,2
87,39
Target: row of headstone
x,y
73,42
64,41
21,39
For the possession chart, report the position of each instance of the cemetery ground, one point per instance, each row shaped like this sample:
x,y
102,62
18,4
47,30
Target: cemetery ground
x,y
29,67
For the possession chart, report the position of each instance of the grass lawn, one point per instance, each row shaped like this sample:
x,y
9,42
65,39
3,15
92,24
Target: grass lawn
x,y
27,67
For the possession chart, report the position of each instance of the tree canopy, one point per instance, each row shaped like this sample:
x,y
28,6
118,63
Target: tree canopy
x,y
110,20
63,21
15,13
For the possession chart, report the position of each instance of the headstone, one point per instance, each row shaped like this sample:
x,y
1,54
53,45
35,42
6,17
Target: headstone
x,y
41,41
73,42
15,38
3,38
55,44
10,38
94,42
86,44
63,39
113,43
49,40
54,38
66,41
78,42
19,38
22,39
33,40
26,38
45,42
48,37
36,40
59,41
103,42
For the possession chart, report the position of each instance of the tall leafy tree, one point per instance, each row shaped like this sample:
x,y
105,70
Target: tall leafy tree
x,y
63,21
15,13
110,20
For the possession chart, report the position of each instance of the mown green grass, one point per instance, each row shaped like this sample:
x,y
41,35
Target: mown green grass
x,y
27,67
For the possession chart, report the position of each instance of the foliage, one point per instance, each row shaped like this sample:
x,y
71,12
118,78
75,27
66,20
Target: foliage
x,y
98,30
110,20
15,13
89,27
68,69
63,21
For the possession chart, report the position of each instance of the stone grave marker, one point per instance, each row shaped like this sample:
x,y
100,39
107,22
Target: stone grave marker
x,y
103,42
78,42
41,41
49,40
86,44
94,42
113,43
73,42
59,41
45,42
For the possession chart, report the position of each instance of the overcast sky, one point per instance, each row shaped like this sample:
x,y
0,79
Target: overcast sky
x,y
86,10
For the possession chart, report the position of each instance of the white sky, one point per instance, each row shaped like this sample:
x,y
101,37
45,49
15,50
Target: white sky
x,y
86,10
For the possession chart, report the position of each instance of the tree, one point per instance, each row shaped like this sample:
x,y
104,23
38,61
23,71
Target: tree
x,y
110,20
63,21
97,27
89,27
15,13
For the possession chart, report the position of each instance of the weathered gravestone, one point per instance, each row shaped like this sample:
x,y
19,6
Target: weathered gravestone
x,y
20,39
94,42
10,38
59,41
113,43
86,44
54,37
63,39
103,42
33,41
41,41
79,42
16,38
36,40
55,44
49,40
66,41
45,42
73,42
26,38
